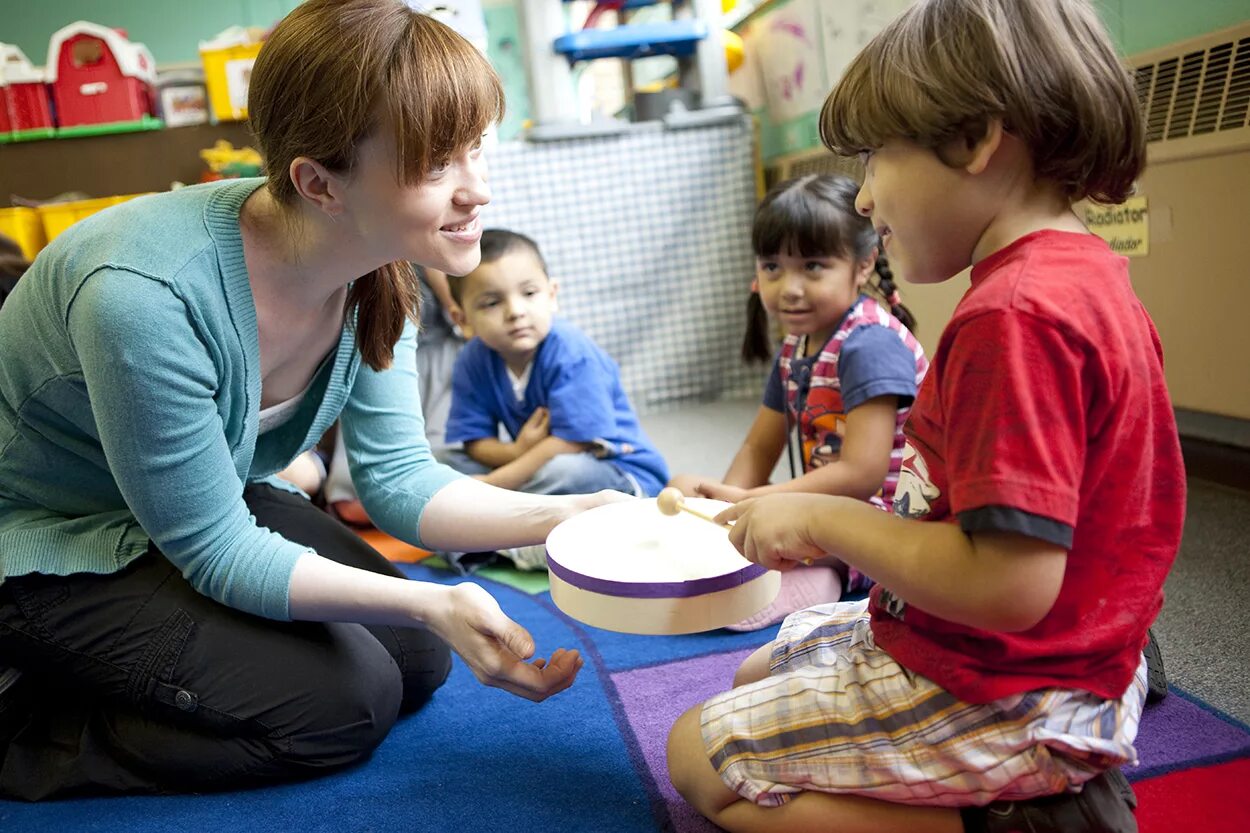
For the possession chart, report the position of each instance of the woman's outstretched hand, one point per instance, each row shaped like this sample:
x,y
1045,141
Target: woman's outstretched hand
x,y
496,649
773,531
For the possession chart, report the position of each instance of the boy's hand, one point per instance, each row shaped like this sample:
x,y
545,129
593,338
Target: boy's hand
x,y
535,430
773,531
495,647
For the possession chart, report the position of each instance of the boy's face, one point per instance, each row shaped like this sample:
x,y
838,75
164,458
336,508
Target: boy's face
x,y
930,215
509,304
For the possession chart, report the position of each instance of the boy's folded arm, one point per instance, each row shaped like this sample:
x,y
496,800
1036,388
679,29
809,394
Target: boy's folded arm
x,y
517,472
492,452
996,581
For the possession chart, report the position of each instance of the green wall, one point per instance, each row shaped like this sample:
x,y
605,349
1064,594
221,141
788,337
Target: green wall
x,y
1138,25
1135,25
172,29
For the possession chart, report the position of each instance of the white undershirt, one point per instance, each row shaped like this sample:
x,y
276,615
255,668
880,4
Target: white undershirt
x,y
520,383
275,416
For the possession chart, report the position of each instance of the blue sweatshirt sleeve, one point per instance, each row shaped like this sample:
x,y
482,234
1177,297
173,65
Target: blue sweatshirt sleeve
x,y
388,455
151,380
471,416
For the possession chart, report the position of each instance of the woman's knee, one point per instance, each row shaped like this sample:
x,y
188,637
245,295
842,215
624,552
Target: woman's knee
x,y
347,713
427,664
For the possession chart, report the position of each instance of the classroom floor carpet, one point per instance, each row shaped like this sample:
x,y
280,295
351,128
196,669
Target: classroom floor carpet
x,y
592,758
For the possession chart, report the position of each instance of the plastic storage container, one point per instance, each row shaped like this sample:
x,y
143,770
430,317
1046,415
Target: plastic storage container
x,y
58,216
24,226
228,63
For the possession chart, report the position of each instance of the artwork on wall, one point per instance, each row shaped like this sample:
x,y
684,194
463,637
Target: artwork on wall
x,y
787,42
847,27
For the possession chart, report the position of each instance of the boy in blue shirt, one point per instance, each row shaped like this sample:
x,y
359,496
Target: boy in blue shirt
x,y
555,391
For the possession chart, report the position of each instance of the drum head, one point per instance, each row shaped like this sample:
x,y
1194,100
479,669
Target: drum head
x,y
628,567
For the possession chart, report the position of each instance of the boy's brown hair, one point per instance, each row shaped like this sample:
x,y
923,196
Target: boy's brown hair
x,y
496,243
943,69
334,72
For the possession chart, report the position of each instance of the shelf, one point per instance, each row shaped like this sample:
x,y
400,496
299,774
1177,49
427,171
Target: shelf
x,y
633,4
105,165
631,41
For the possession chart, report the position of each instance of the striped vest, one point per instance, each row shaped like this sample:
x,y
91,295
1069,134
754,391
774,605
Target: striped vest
x,y
815,404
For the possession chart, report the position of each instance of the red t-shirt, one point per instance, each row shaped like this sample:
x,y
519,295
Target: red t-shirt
x,y
1045,412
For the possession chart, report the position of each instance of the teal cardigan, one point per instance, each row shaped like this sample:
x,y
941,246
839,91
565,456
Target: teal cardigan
x,y
129,398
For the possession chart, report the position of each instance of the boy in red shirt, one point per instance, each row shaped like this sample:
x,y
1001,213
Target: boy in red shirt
x,y
994,680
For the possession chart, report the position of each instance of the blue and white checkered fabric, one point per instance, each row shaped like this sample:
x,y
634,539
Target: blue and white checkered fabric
x,y
648,233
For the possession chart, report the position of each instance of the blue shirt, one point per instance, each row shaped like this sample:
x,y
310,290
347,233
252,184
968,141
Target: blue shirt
x,y
873,363
576,381
129,400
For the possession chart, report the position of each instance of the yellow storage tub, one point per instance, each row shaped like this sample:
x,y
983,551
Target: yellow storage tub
x,y
24,226
227,71
57,217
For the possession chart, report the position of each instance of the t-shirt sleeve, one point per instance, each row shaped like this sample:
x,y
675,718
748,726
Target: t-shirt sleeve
x,y
471,417
580,401
875,362
1011,385
774,391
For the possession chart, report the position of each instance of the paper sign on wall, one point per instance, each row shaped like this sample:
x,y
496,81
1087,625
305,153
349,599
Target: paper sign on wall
x,y
789,53
847,27
1125,227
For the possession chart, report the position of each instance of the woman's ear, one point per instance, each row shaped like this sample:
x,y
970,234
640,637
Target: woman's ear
x,y
317,185
555,289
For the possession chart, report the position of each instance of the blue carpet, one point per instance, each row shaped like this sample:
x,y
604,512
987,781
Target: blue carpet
x,y
590,759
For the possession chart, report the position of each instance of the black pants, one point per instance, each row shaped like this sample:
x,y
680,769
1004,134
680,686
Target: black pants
x,y
145,685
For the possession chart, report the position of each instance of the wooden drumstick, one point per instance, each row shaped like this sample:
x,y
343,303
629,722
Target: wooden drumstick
x,y
671,501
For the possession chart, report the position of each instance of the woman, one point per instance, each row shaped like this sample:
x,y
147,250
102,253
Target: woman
x,y
179,622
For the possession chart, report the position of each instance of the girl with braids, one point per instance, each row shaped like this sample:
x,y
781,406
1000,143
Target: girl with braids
x,y
171,619
843,381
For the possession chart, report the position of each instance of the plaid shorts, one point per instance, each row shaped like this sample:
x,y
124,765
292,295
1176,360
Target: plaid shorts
x,y
839,715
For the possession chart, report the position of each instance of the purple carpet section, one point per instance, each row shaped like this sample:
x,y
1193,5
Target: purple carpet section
x,y
1175,734
1178,733
654,697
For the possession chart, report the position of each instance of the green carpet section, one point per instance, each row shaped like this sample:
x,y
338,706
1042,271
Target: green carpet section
x,y
532,582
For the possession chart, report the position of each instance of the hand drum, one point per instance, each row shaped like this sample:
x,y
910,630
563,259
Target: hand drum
x,y
628,567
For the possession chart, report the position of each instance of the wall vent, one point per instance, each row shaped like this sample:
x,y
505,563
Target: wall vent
x,y
1195,95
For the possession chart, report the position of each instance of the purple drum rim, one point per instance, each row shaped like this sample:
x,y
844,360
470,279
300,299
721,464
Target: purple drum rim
x,y
655,589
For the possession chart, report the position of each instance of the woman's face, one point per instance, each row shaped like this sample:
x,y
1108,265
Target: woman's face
x,y
434,223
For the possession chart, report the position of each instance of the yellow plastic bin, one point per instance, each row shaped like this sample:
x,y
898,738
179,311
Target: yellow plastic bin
x,y
59,216
24,226
226,74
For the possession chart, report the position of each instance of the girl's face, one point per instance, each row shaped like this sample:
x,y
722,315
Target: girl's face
x,y
810,295
434,223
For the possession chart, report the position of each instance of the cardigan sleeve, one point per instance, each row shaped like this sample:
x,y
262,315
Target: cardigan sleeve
x,y
392,466
152,384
